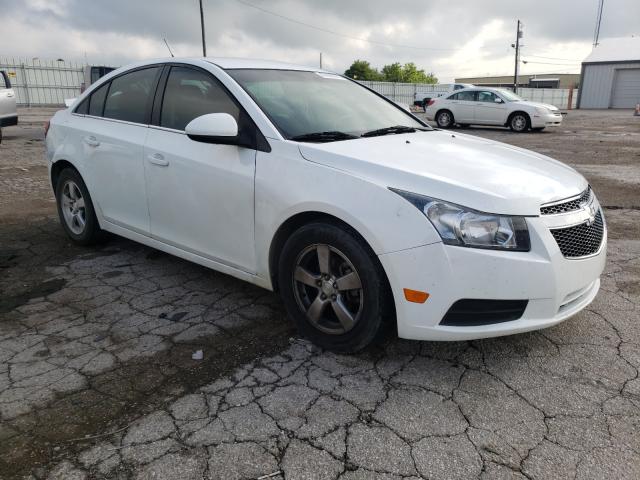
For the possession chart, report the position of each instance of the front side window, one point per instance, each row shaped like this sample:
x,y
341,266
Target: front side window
x,y
190,94
130,96
509,96
487,97
303,103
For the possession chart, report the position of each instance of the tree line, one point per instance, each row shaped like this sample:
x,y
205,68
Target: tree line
x,y
394,72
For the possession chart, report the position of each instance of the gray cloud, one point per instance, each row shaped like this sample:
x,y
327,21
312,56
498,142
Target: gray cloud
x,y
234,28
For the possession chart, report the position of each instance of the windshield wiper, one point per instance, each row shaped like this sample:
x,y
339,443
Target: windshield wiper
x,y
392,130
330,136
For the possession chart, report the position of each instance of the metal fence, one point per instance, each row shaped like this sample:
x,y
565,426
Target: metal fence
x,y
405,93
48,82
43,82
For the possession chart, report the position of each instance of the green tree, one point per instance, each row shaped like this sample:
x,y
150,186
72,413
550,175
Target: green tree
x,y
362,70
393,72
411,74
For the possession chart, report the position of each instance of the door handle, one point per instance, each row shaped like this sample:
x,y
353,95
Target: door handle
x,y
158,159
91,141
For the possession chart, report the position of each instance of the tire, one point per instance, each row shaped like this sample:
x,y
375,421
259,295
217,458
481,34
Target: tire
x,y
444,119
519,122
305,285
73,211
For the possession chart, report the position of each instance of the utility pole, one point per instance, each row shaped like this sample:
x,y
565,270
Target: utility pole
x,y
517,47
596,34
204,43
320,60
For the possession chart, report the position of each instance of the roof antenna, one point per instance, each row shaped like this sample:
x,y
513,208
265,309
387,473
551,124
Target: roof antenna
x,y
168,47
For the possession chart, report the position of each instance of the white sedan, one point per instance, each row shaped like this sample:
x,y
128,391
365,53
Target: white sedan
x,y
491,106
305,182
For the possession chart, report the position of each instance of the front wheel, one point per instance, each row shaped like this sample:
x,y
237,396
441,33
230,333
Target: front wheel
x,y
519,122
333,287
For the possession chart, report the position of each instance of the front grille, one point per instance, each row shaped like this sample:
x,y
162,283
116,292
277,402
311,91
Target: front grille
x,y
581,240
569,206
470,312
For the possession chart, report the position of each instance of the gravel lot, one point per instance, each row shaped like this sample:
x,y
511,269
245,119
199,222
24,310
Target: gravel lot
x,y
97,378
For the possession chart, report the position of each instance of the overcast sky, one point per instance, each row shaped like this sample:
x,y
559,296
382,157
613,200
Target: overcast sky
x,y
451,38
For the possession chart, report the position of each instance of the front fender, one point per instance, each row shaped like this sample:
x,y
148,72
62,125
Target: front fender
x,y
287,185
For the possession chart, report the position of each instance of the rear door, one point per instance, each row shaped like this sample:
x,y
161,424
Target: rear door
x,y
112,136
488,111
463,106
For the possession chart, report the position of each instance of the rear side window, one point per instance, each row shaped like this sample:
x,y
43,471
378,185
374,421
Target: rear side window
x,y
130,96
96,103
466,96
191,93
453,97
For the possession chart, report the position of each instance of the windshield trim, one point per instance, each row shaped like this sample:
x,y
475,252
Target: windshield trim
x,y
275,125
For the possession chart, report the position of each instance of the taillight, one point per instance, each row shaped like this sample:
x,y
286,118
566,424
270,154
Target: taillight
x,y
431,102
46,128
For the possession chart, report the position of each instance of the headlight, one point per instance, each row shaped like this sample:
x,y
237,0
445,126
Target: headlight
x,y
543,110
465,227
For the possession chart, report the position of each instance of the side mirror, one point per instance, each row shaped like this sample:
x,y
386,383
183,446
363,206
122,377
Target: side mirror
x,y
498,100
213,128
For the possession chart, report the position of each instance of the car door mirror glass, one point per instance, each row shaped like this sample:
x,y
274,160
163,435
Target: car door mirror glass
x,y
213,128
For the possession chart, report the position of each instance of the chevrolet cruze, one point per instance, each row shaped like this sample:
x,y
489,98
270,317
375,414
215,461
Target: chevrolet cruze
x,y
305,182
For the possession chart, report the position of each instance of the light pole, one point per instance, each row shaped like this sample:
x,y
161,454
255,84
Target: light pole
x,y
204,42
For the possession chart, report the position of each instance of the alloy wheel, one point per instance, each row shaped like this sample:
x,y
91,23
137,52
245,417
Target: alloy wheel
x,y
73,207
328,289
444,119
519,123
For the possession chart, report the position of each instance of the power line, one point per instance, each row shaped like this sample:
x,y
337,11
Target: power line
x,y
549,63
339,34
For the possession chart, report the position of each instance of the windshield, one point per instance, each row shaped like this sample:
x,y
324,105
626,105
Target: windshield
x,y
303,103
508,95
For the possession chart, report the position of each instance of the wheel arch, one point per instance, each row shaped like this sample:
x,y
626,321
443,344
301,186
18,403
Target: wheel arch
x,y
57,167
299,220
511,115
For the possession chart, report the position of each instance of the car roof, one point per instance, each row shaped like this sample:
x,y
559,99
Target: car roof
x,y
230,63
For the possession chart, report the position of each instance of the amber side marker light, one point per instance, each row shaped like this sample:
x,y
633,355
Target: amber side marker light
x,y
415,296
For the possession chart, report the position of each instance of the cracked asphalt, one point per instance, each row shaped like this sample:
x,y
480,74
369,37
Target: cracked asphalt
x,y
97,378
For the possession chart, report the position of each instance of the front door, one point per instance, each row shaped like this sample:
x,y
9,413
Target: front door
x,y
488,111
201,195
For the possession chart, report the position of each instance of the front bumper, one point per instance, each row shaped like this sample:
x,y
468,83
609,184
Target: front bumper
x,y
556,288
550,120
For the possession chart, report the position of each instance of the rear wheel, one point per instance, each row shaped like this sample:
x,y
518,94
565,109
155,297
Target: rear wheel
x,y
519,122
75,209
333,287
444,119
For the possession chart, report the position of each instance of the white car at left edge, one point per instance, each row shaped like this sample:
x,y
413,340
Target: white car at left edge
x,y
492,107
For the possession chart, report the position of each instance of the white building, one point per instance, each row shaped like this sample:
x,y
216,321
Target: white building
x,y
610,75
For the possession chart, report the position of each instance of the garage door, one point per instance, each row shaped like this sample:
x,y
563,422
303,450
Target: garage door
x,y
626,89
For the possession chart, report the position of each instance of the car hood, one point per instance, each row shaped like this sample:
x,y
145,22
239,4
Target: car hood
x,y
537,104
471,171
